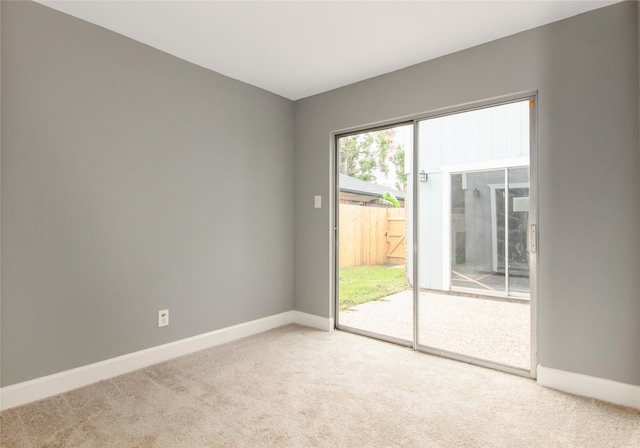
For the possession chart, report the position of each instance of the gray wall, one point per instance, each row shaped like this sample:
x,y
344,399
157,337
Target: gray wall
x,y
586,72
132,181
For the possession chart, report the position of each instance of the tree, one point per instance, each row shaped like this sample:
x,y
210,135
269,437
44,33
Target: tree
x,y
401,176
370,155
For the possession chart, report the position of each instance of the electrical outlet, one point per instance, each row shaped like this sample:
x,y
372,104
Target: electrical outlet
x,y
163,318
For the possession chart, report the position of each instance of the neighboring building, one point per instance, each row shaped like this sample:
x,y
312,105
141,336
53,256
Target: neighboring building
x,y
359,192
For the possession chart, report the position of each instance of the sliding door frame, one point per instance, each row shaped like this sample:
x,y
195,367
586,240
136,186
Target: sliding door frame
x,y
532,97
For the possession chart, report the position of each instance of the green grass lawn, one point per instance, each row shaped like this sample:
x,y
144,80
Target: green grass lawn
x,y
361,284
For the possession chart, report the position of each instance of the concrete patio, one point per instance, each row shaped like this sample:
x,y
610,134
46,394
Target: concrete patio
x,y
494,330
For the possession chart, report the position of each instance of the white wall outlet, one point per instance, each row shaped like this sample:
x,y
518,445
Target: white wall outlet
x,y
163,318
317,201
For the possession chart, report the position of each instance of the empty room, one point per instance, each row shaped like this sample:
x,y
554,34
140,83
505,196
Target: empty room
x,y
299,224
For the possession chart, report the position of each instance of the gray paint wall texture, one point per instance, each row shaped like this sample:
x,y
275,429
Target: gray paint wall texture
x,y
132,181
585,70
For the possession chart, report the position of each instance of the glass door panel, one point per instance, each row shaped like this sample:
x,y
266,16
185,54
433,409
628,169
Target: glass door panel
x,y
472,222
374,293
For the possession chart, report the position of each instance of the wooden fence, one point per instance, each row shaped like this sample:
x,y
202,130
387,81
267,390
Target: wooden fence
x,y
372,235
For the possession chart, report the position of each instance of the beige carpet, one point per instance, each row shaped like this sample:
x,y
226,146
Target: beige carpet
x,y
298,387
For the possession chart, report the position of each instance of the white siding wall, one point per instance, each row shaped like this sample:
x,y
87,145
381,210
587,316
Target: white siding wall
x,y
479,139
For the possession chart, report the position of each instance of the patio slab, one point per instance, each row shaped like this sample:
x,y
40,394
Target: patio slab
x,y
494,330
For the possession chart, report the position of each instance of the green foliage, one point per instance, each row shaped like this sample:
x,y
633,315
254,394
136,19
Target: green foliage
x,y
371,154
361,284
389,199
398,159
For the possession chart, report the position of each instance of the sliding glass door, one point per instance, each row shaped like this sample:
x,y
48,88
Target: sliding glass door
x,y
467,213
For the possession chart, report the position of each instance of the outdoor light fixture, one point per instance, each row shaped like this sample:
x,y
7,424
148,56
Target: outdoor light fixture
x,y
423,176
476,192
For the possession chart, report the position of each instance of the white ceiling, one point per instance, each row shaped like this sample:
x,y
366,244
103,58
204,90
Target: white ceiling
x,y
301,48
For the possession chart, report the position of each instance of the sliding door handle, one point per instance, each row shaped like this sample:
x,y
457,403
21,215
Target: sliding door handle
x,y
532,239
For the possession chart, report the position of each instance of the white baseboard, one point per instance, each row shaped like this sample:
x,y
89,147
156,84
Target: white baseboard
x,y
46,386
313,321
590,386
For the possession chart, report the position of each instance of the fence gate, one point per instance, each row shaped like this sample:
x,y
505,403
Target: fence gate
x,y
397,235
